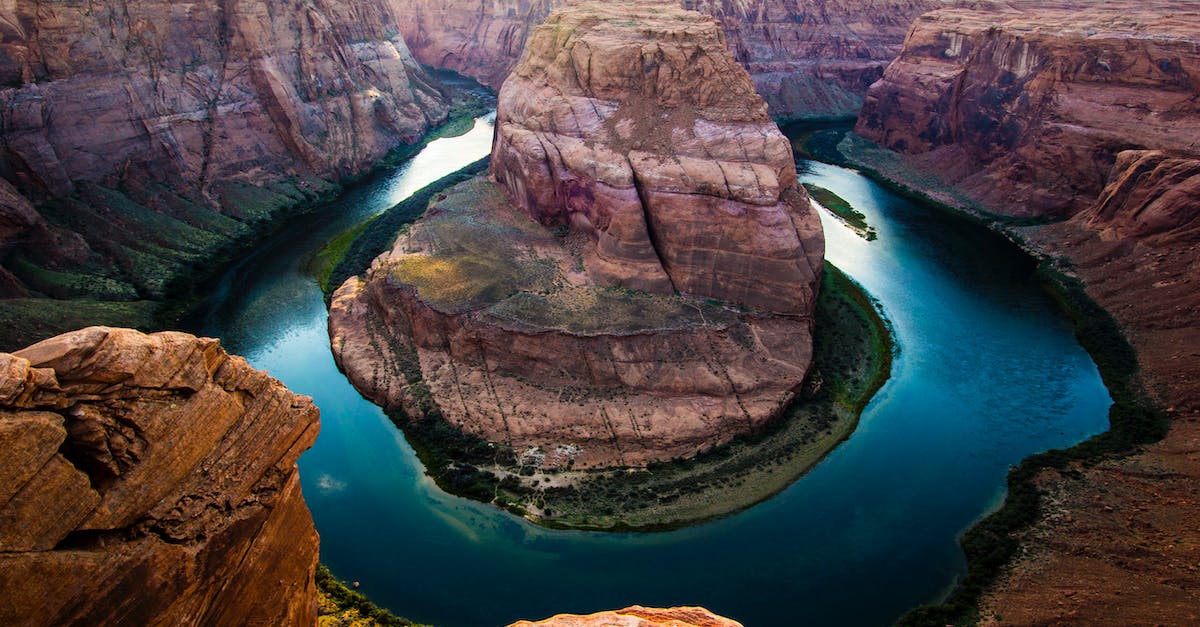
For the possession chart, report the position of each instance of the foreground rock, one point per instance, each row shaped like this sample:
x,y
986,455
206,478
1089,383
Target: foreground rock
x,y
643,291
810,61
1027,110
638,616
151,135
151,480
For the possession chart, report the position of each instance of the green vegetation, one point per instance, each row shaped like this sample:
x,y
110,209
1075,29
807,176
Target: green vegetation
x,y
341,606
852,359
351,253
1135,419
29,320
843,210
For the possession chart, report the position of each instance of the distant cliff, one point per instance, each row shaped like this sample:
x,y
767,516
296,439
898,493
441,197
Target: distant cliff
x,y
1028,110
151,479
808,60
148,135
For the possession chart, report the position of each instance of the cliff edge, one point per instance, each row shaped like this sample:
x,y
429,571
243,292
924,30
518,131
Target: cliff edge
x,y
151,479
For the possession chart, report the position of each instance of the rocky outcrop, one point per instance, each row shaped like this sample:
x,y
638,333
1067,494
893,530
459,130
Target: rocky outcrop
x,y
1150,196
638,616
811,61
152,135
638,283
1027,110
151,479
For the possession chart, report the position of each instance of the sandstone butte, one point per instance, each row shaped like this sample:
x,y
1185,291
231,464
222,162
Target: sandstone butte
x,y
1089,115
148,132
808,60
637,616
151,479
637,281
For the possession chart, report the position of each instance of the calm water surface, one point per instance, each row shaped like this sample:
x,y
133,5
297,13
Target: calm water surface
x,y
988,373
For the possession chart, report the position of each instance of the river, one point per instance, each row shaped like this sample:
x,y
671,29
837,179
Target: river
x,y
988,373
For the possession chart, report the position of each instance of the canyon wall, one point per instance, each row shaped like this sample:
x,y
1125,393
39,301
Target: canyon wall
x,y
151,479
149,135
1028,110
1087,116
635,285
808,60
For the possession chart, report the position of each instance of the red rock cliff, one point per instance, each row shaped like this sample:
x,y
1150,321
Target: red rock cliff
x,y
637,616
808,60
1028,110
636,286
150,135
151,479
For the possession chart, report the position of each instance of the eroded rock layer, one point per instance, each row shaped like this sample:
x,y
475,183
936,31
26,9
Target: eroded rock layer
x,y
809,60
151,135
639,283
151,479
637,616
1027,110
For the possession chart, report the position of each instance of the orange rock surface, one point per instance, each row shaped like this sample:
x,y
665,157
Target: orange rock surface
x,y
637,616
151,479
638,284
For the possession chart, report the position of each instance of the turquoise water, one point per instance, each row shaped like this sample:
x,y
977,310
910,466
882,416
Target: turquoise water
x,y
988,372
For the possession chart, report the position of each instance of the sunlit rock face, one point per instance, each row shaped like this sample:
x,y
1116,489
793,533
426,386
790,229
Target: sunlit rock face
x,y
151,479
635,284
1027,110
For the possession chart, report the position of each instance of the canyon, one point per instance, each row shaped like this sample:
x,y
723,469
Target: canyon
x,y
151,479
810,61
638,282
142,141
1087,118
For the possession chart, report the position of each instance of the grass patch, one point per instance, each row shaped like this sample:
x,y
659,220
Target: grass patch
x,y
340,606
841,208
29,320
852,359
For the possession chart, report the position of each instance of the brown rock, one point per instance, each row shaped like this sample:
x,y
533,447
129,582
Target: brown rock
x,y
650,166
809,61
638,616
1150,195
151,479
1028,109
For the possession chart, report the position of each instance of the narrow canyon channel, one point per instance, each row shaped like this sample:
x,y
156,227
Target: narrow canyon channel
x,y
988,372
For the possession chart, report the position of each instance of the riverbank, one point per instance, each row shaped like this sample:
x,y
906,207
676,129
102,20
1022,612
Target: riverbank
x,y
1136,418
852,359
188,247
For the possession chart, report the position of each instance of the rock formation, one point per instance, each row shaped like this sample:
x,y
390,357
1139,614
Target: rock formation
x,y
1091,114
638,616
643,291
151,479
151,134
809,61
1027,110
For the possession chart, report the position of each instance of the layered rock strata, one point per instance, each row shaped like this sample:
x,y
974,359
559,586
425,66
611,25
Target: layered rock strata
x,y
638,284
637,616
150,135
810,61
1027,110
151,479
1088,114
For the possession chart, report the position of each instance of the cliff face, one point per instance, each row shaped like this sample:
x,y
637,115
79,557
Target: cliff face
x,y
1028,110
1091,115
149,135
151,480
809,61
638,616
638,283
